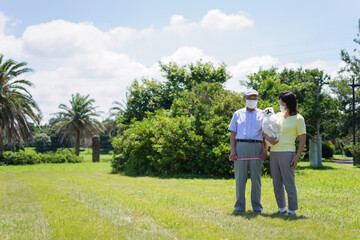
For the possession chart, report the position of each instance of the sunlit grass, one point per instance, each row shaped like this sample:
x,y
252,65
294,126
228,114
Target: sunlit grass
x,y
84,201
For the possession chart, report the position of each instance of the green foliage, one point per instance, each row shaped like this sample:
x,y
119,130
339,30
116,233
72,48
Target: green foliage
x,y
151,95
191,137
355,150
144,97
328,150
347,150
77,120
17,105
42,142
19,158
24,158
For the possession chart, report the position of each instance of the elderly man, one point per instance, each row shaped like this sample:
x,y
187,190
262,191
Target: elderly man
x,y
248,151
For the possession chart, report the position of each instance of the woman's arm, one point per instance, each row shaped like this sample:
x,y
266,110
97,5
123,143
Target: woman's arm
x,y
302,139
264,151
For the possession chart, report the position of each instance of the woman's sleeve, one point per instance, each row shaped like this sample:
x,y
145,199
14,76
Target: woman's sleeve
x,y
301,127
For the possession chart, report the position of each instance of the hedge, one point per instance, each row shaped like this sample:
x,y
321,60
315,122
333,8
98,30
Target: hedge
x,y
24,158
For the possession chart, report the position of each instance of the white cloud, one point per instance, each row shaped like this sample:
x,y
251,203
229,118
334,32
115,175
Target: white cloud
x,y
331,70
179,25
242,69
61,38
121,35
213,20
10,46
217,20
186,55
104,75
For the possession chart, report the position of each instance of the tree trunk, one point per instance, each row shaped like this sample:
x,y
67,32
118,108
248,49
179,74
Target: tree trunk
x,y
1,141
96,148
313,152
77,143
318,143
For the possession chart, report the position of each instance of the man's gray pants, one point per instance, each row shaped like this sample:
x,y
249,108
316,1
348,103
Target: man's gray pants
x,y
282,174
241,168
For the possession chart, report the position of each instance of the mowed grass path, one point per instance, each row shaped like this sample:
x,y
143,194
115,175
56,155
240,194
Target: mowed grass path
x,y
84,201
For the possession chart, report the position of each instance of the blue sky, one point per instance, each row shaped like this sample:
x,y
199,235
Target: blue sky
x,y
100,47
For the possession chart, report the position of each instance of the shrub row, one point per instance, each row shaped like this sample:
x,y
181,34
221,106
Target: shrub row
x,y
23,158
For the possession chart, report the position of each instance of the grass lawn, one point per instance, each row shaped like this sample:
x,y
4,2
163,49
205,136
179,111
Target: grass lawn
x,y
84,201
339,156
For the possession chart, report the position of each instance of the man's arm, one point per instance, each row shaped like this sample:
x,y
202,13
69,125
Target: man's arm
x,y
233,155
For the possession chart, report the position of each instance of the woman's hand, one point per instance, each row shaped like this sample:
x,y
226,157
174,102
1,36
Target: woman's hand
x,y
294,162
272,140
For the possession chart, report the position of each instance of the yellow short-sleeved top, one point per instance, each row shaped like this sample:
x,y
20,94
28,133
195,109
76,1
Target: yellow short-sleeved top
x,y
290,128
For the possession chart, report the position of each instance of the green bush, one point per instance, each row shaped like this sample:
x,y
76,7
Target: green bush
x,y
190,138
355,150
42,142
23,158
19,158
328,149
347,150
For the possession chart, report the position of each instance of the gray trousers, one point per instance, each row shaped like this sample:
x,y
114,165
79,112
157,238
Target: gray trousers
x,y
241,168
282,174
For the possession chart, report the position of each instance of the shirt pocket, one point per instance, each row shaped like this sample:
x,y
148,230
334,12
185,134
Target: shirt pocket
x,y
241,126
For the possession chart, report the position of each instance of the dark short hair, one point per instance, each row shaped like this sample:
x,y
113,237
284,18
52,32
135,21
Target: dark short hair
x,y
289,99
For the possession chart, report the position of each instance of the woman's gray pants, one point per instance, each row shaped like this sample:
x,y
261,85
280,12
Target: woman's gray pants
x,y
282,174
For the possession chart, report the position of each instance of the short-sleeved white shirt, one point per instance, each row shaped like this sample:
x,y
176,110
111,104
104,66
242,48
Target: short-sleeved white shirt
x,y
246,124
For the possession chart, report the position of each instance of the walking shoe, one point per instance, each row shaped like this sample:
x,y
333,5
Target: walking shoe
x,y
291,213
283,212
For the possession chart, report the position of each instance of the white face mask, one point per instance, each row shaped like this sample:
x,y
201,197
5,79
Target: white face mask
x,y
282,109
251,104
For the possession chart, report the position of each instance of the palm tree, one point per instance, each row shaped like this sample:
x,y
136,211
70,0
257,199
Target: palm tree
x,y
17,106
78,119
115,114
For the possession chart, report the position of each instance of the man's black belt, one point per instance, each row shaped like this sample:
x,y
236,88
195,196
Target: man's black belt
x,y
248,140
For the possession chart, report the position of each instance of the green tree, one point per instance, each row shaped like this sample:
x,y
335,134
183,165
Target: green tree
x,y
77,120
17,106
42,142
147,96
190,138
151,95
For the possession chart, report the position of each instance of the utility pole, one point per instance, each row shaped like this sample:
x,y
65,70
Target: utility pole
x,y
353,85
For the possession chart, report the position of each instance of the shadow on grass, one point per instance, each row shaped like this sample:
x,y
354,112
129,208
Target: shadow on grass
x,y
316,168
250,215
175,176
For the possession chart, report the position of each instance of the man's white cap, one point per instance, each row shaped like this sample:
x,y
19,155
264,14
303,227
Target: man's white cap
x,y
250,92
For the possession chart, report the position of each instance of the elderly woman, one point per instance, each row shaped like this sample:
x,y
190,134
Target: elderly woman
x,y
283,158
